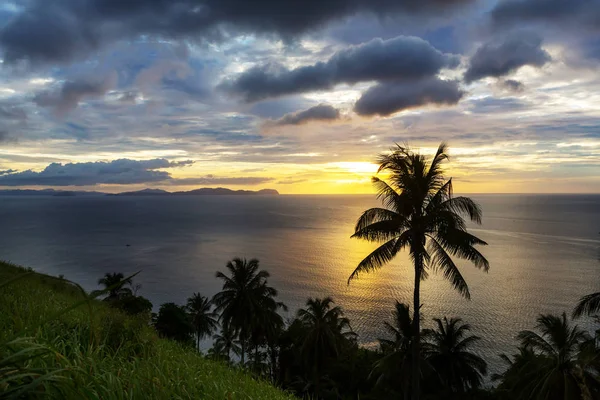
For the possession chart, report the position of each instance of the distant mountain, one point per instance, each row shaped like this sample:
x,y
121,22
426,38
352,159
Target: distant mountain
x,y
225,191
144,192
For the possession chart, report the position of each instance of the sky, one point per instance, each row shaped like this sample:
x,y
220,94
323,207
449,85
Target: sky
x,y
298,95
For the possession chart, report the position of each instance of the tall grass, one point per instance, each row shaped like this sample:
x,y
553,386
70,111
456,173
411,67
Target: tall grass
x,y
56,342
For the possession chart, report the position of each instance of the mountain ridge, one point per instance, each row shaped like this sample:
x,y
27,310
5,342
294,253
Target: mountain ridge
x,y
220,191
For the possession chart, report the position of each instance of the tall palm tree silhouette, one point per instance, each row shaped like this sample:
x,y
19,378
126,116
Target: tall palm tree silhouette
x,y
421,215
246,300
203,318
326,330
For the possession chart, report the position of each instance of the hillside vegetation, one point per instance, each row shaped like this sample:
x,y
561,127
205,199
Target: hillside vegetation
x,y
56,344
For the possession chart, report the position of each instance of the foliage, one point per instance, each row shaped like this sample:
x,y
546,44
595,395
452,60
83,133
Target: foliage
x,y
448,352
173,322
552,364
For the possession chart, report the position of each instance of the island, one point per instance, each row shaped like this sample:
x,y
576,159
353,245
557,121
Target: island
x,y
145,192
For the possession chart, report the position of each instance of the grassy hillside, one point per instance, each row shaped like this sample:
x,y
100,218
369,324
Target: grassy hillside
x,y
95,352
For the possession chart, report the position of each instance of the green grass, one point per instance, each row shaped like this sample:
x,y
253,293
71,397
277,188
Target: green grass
x,y
95,352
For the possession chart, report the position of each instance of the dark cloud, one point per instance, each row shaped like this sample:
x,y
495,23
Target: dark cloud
x,y
321,112
12,113
388,98
7,171
59,30
68,96
512,85
213,180
119,172
501,57
277,108
402,58
576,14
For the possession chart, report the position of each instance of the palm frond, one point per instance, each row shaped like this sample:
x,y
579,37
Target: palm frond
x,y
534,341
381,255
373,215
460,243
463,205
441,261
379,231
587,305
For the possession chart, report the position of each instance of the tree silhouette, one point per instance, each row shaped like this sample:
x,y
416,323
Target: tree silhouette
x,y
550,364
393,369
203,319
447,350
326,332
173,322
422,215
115,283
246,301
225,342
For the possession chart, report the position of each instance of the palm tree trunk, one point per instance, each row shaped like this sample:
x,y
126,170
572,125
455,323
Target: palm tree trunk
x,y
243,350
198,342
416,371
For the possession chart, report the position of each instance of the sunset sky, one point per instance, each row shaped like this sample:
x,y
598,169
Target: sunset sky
x,y
298,95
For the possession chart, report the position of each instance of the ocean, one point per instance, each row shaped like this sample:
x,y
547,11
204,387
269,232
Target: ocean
x,y
544,253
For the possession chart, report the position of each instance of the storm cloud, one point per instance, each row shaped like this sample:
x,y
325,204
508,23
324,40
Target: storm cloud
x,y
387,98
68,96
402,58
120,172
321,112
60,30
573,13
502,57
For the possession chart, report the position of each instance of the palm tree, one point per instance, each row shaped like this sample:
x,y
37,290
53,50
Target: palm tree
x,y
448,352
396,358
226,342
115,284
587,305
203,319
422,215
246,301
550,366
326,331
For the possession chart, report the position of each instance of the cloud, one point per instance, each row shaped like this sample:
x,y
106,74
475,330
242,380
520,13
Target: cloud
x,y
12,113
290,181
402,58
572,14
60,30
488,105
512,85
321,112
119,172
7,171
388,98
501,57
68,96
